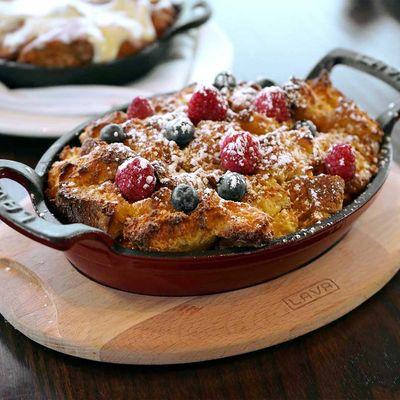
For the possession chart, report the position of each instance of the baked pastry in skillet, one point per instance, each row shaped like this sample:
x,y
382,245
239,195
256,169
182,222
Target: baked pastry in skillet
x,y
223,165
73,33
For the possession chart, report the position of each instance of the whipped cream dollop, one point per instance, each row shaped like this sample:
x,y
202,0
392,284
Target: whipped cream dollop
x,y
106,25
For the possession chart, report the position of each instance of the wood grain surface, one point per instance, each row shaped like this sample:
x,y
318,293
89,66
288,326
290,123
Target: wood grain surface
x,y
61,309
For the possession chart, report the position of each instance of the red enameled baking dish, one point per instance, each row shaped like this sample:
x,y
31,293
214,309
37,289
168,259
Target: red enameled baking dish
x,y
97,256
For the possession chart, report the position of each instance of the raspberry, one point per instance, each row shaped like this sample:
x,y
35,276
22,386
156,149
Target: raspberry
x,y
240,152
135,179
272,102
207,103
341,161
140,108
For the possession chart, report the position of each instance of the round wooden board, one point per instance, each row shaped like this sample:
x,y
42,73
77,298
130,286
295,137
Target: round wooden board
x,y
46,299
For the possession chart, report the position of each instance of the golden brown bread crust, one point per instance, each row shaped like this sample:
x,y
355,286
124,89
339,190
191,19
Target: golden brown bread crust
x,y
161,228
330,110
342,121
82,190
57,54
288,191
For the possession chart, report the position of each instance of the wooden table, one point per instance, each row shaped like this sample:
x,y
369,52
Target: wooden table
x,y
356,357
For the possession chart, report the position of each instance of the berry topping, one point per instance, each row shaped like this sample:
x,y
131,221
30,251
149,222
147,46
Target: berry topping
x,y
112,133
184,198
232,186
207,103
135,179
224,80
341,161
180,130
272,102
306,123
140,108
240,152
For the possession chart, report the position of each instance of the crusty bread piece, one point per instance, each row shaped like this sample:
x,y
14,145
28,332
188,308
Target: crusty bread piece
x,y
82,190
57,54
319,101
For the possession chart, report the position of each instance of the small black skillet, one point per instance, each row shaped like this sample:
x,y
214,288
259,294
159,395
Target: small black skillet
x,y
191,14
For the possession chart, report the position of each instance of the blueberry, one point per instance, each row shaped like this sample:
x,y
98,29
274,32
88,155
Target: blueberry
x,y
232,186
180,130
264,82
184,198
112,133
224,79
306,123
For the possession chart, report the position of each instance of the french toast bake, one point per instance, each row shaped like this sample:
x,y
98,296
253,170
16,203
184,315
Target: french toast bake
x,y
227,165
72,33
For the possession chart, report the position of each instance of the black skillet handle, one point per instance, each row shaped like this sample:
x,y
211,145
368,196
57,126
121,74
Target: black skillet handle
x,y
371,66
194,14
51,234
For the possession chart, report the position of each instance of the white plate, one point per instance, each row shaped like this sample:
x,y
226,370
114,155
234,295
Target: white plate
x,y
50,112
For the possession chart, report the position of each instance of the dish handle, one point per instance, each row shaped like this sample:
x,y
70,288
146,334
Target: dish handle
x,y
51,234
194,14
371,66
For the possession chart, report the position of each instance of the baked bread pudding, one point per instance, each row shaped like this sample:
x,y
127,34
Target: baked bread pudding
x,y
227,165
73,33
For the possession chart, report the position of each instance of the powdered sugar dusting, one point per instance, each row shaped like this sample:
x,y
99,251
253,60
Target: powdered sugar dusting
x,y
287,186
